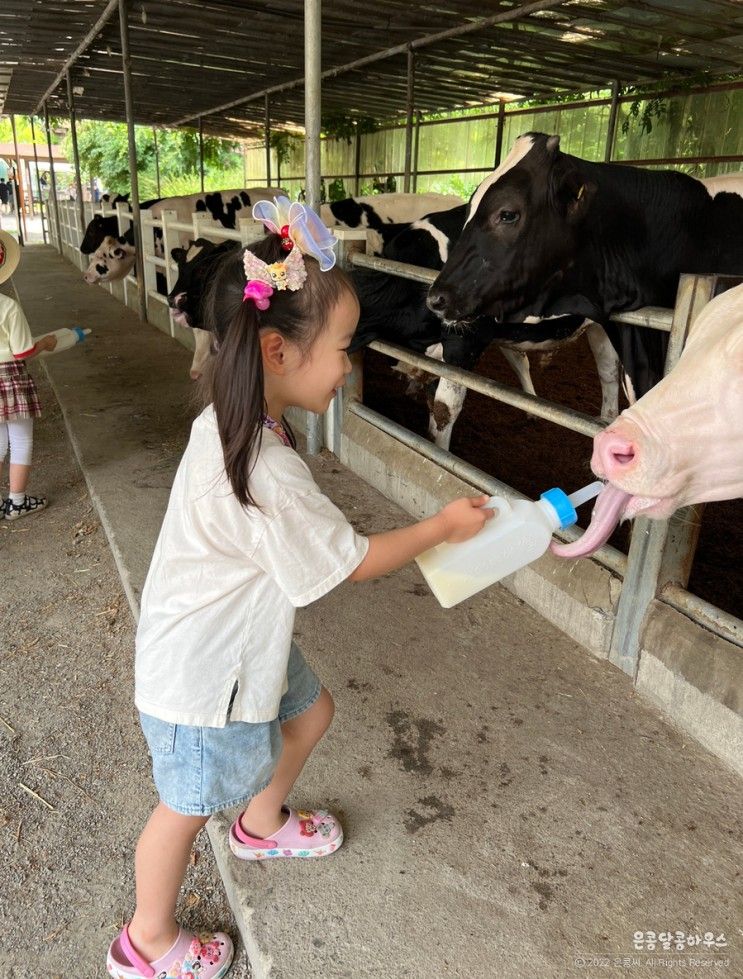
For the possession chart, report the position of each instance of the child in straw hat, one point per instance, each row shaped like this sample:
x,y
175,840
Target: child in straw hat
x,y
19,402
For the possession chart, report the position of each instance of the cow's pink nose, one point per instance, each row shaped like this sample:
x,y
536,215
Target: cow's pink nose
x,y
613,453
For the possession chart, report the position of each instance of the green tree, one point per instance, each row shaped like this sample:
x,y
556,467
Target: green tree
x,y
104,153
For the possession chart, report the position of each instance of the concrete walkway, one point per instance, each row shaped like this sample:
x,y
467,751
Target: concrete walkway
x,y
512,808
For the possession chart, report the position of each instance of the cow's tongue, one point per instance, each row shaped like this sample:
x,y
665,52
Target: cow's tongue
x,y
606,513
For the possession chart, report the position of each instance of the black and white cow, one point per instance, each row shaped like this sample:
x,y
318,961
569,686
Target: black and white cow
x,y
99,226
385,215
548,233
394,309
197,265
115,256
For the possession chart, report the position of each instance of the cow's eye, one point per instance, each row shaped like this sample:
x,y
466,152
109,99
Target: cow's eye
x,y
508,217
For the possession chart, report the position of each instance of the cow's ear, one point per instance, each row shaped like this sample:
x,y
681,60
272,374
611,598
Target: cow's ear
x,y
580,201
178,254
573,195
553,145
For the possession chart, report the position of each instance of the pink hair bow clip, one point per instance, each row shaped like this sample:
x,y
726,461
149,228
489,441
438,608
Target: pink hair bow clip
x,y
300,224
259,292
264,279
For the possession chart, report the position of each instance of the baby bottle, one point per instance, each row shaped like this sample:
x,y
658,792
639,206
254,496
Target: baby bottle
x,y
65,339
518,534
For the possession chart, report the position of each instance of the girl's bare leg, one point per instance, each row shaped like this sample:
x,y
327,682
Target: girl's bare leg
x,y
263,816
160,864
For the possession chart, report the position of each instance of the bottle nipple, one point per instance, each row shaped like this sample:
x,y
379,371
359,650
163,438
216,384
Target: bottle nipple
x,y
586,493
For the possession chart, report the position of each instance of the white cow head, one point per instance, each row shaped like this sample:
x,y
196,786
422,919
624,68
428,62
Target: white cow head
x,y
113,260
682,442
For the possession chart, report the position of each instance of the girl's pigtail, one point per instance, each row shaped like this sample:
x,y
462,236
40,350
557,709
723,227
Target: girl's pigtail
x,y
237,393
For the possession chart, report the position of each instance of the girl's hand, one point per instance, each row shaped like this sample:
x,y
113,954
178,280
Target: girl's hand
x,y
463,518
49,342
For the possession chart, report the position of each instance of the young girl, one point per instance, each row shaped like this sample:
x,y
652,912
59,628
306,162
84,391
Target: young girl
x,y
230,709
19,403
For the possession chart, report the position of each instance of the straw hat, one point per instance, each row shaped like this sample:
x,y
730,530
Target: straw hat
x,y
10,255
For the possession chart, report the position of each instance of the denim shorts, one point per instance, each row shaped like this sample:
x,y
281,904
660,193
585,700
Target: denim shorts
x,y
202,770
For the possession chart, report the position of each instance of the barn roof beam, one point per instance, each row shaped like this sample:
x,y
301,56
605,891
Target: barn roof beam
x,y
516,13
107,14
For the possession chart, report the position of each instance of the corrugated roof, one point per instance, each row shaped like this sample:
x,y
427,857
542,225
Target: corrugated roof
x,y
192,57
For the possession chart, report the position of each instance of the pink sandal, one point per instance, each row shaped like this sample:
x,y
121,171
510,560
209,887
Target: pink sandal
x,y
206,956
304,834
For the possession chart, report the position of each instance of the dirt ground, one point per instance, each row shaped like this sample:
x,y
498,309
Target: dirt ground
x,y
532,455
69,819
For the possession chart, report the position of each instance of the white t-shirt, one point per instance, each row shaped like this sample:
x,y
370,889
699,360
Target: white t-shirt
x,y
16,341
219,602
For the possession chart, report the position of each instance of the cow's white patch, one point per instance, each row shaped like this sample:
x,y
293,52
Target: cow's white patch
x,y
447,407
608,367
436,351
202,350
518,360
437,234
518,151
375,242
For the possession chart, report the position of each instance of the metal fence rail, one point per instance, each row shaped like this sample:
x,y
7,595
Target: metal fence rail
x,y
661,552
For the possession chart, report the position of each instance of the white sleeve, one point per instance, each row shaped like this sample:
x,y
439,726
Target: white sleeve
x,y
20,341
309,547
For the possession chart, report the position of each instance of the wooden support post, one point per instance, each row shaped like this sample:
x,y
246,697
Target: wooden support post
x,y
126,62
409,115
20,202
75,152
201,152
611,132
267,129
157,161
52,177
499,133
38,181
312,114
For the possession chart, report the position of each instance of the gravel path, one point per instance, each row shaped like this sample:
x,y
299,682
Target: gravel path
x,y
76,787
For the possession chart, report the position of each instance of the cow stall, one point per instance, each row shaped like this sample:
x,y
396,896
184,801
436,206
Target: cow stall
x,y
633,610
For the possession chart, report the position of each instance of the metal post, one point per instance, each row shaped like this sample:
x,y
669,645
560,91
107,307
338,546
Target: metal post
x,y
612,121
126,63
499,133
410,111
416,148
157,161
75,153
268,142
201,152
38,180
245,164
661,550
357,162
20,199
53,179
312,110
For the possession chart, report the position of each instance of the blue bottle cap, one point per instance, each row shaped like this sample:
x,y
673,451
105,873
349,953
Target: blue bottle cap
x,y
562,506
80,333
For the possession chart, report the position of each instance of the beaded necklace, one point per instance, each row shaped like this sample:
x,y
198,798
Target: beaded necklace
x,y
276,427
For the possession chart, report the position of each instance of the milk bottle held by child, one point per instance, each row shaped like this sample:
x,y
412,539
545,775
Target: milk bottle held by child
x,y
66,338
518,534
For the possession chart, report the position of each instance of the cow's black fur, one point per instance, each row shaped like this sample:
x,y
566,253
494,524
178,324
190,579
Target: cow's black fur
x,y
188,294
395,309
99,227
350,213
592,239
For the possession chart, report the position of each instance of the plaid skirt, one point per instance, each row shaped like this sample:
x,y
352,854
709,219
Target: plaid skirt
x,y
18,397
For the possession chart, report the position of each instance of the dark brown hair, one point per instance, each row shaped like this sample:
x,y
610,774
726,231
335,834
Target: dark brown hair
x,y
234,382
